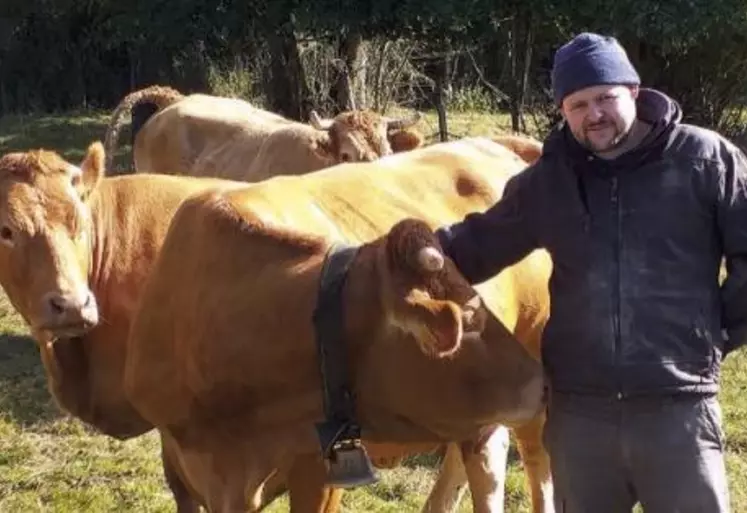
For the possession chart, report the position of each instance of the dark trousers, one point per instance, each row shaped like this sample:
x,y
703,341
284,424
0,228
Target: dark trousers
x,y
608,454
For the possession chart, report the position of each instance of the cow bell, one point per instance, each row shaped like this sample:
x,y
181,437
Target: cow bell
x,y
349,466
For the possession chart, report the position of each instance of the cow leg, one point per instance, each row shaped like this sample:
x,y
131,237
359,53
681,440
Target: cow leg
x,y
275,486
218,473
185,503
450,484
485,463
307,489
536,464
228,493
231,483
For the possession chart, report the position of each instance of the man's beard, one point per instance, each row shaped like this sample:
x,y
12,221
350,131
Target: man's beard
x,y
618,139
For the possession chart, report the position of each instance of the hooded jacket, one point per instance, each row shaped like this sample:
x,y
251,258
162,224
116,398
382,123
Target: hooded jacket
x,y
636,243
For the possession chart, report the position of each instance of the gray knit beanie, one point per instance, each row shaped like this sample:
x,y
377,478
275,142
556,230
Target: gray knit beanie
x,y
589,60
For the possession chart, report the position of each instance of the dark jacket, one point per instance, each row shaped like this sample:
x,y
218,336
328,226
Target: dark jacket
x,y
636,243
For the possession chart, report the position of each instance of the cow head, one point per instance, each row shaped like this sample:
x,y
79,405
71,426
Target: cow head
x,y
440,361
45,239
364,136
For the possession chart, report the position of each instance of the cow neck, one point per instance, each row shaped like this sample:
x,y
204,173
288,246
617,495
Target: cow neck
x,y
117,263
335,332
101,256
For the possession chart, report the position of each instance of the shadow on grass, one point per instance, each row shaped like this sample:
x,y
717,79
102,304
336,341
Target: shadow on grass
x,y
24,398
69,134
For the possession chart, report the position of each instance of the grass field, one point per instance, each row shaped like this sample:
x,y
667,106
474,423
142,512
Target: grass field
x,y
50,462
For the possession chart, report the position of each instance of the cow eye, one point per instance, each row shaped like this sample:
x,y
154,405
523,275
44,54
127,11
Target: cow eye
x,y
345,157
6,234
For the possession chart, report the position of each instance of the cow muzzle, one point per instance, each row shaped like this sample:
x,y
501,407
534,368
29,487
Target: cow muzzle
x,y
71,314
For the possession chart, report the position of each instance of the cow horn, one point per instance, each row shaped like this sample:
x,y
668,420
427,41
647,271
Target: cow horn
x,y
317,122
430,259
402,123
474,303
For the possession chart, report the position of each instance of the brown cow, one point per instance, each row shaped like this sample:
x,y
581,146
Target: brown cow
x,y
226,366
75,248
205,135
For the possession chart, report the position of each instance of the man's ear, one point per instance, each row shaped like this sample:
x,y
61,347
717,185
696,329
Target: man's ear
x,y
92,170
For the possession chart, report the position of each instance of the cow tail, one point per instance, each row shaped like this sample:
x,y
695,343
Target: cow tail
x,y
158,96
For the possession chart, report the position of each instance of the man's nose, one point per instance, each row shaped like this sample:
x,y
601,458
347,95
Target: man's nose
x,y
595,113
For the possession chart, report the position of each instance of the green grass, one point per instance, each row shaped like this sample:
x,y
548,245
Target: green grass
x,y
50,462
68,134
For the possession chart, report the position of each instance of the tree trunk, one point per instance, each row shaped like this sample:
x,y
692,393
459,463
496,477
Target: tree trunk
x,y
437,68
442,86
351,79
286,90
520,48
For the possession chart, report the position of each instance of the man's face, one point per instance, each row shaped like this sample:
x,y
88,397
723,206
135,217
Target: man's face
x,y
600,117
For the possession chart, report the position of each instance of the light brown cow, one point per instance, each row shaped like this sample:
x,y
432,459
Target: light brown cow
x,y
205,135
222,357
75,248
354,136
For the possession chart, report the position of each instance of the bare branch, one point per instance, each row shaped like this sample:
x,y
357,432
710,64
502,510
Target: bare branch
x,y
500,94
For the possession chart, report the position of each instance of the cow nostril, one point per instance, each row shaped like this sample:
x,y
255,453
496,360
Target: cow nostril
x,y
57,304
89,299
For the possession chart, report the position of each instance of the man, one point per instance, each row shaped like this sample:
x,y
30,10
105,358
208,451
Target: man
x,y
637,210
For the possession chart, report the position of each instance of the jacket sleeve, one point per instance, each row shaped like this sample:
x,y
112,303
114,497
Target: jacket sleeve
x,y
484,243
732,224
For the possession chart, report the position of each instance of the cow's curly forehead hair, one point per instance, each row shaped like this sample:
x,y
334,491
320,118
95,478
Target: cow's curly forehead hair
x,y
404,242
367,122
31,164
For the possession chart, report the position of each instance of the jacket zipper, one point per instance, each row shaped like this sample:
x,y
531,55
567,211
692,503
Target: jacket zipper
x,y
615,199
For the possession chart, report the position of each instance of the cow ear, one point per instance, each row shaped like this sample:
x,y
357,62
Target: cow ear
x,y
92,170
530,150
436,324
405,140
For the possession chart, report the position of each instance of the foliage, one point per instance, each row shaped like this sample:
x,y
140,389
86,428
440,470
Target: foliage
x,y
63,54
